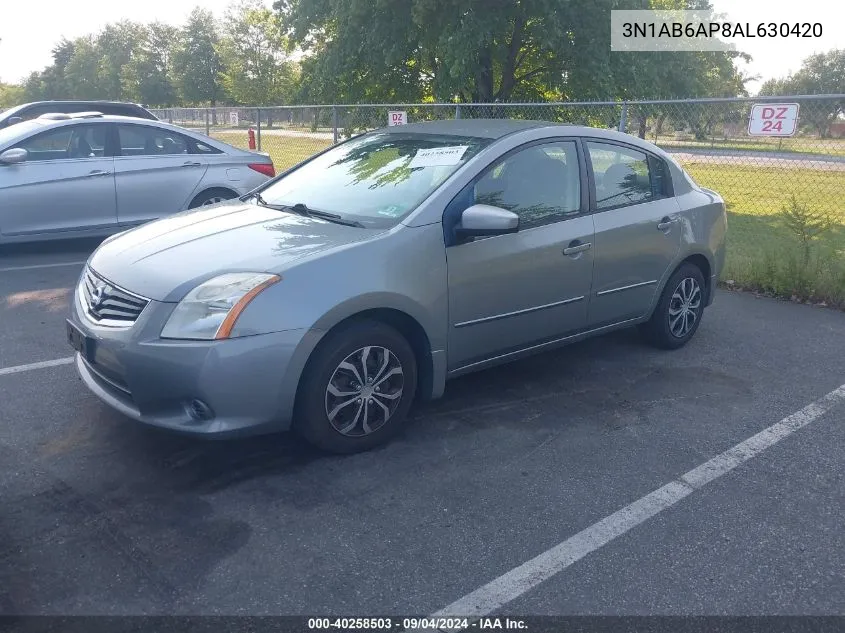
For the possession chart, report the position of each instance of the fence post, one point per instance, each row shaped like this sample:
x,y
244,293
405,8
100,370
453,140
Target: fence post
x,y
458,111
623,118
207,124
334,124
258,128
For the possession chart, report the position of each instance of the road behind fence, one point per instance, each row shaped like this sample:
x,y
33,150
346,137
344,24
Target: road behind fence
x,y
785,195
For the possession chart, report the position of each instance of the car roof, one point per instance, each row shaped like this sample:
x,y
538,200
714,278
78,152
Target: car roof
x,y
479,128
76,101
498,128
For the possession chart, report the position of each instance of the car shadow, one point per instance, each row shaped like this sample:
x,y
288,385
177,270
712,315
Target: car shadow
x,y
202,466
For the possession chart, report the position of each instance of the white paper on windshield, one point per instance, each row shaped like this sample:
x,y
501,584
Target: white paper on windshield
x,y
437,156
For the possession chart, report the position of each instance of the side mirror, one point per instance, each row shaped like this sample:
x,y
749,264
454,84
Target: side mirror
x,y
483,219
13,156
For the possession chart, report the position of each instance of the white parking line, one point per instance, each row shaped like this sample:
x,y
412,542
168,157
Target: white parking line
x,y
34,266
43,364
519,580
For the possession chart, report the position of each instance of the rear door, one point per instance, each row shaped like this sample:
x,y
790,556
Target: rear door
x,y
638,230
66,183
155,173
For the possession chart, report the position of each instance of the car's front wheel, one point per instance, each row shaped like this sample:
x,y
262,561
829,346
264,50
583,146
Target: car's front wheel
x,y
680,308
357,388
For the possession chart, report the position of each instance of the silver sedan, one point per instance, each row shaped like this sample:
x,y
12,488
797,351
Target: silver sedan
x,y
89,175
363,279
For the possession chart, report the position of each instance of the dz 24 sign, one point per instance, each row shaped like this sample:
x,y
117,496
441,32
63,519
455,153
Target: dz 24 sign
x,y
773,119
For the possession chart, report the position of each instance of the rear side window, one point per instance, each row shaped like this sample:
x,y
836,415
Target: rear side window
x,y
202,148
137,140
625,176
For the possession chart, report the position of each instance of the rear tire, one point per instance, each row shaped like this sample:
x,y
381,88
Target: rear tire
x,y
678,312
211,196
356,389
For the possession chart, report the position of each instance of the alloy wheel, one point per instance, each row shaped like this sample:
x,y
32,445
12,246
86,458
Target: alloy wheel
x,y
364,391
684,307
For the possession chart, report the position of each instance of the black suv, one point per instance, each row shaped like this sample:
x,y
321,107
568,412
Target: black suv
x,y
34,110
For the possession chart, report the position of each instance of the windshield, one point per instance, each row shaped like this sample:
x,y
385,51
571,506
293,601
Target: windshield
x,y
376,179
7,134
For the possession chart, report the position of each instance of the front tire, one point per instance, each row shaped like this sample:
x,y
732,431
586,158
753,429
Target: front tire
x,y
357,388
678,312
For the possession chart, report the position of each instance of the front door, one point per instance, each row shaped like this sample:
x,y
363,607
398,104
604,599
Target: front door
x,y
155,173
510,292
65,185
638,231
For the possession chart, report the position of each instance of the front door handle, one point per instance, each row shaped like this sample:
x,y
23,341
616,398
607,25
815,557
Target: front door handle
x,y
99,172
576,247
666,223
191,164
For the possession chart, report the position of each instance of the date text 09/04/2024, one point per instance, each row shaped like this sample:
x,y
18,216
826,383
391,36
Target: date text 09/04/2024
x,y
721,29
411,624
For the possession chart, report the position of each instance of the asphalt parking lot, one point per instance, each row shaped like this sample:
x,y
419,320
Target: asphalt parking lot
x,y
101,516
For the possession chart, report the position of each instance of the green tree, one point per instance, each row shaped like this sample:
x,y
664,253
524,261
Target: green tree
x,y
822,73
196,60
146,77
11,95
117,44
253,51
482,51
82,78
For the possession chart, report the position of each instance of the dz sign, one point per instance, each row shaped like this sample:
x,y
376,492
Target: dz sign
x,y
773,119
397,117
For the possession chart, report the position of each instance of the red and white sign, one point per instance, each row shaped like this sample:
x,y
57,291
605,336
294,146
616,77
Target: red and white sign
x,y
397,117
773,119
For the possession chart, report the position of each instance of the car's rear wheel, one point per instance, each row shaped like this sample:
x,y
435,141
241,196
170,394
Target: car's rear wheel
x,y
678,313
212,196
356,389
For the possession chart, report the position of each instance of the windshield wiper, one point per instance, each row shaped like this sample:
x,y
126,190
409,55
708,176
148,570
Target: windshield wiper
x,y
258,199
302,209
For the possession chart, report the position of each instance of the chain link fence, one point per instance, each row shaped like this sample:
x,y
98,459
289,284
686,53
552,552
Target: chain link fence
x,y
785,195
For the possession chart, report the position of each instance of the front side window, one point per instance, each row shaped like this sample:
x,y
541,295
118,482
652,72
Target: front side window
x,y
376,179
541,184
70,141
625,176
137,140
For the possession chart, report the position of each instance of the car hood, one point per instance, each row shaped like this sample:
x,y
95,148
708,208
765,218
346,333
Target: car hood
x,y
165,259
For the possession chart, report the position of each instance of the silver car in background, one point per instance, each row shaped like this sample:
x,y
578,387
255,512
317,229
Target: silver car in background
x,y
366,277
90,175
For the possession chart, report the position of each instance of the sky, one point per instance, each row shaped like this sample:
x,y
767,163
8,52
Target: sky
x,y
27,35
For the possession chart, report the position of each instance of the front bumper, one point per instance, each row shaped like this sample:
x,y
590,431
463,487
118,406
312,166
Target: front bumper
x,y
248,384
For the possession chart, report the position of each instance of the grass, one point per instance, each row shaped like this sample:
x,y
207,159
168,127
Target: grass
x,y
785,145
762,253
286,151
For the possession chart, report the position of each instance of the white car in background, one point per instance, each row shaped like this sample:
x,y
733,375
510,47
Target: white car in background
x,y
91,175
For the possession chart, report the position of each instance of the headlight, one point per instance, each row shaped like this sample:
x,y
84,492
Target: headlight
x,y
210,310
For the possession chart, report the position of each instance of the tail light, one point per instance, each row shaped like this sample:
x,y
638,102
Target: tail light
x,y
263,168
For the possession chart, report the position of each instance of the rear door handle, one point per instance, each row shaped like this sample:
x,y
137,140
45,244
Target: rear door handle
x,y
99,172
191,164
576,247
666,223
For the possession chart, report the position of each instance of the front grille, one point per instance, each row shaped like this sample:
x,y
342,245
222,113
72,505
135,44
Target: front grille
x,y
106,304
